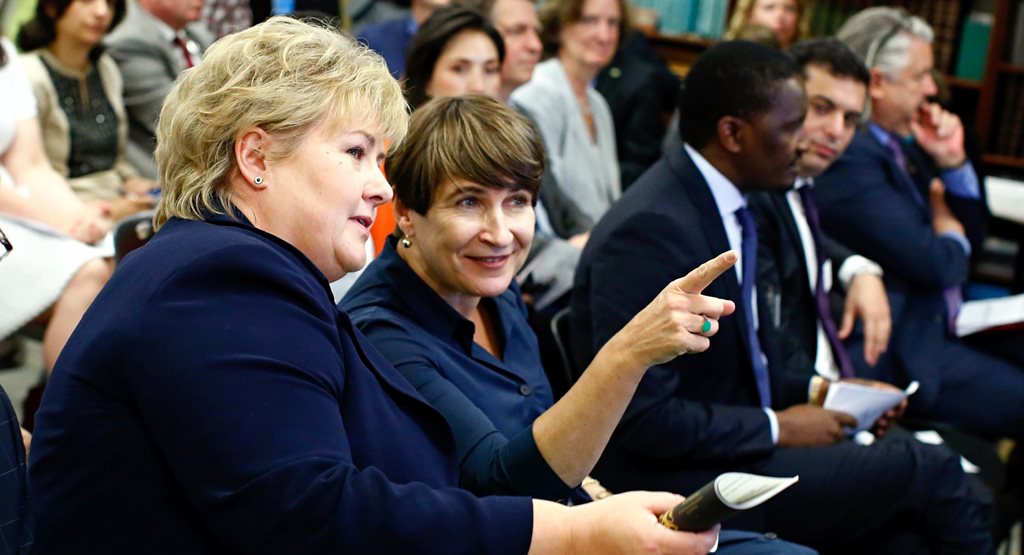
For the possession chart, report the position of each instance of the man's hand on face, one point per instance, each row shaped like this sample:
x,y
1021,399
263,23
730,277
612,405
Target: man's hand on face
x,y
941,134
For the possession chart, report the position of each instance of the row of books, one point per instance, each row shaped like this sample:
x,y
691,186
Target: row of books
x,y
705,18
826,16
1008,124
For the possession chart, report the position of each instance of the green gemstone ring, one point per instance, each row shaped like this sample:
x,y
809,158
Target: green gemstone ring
x,y
706,326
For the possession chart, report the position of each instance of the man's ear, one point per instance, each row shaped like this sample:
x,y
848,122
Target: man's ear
x,y
250,157
877,84
731,133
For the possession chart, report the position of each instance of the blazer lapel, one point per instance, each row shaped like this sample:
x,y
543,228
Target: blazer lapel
x,y
795,253
713,227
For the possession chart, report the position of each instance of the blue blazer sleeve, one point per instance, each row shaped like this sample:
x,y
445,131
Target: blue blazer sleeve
x,y
489,462
863,206
245,410
675,414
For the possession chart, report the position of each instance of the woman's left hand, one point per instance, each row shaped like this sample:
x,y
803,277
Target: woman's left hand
x,y
680,319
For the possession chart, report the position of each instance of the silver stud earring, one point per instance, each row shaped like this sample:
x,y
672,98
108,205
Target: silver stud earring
x,y
258,180
406,242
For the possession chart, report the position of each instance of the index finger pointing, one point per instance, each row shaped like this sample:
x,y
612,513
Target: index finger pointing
x,y
702,276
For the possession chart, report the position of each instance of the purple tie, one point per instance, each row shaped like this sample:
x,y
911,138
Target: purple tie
x,y
749,253
901,162
952,294
820,296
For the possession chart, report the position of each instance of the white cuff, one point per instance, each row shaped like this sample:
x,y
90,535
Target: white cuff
x,y
774,422
855,265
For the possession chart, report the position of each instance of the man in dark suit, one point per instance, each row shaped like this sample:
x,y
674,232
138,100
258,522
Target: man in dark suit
x,y
905,195
732,407
797,264
391,38
157,40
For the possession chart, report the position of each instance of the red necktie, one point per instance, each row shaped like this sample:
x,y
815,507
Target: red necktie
x,y
184,50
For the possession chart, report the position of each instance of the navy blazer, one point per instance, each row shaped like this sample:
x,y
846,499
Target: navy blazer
x,y
782,282
698,410
865,204
213,399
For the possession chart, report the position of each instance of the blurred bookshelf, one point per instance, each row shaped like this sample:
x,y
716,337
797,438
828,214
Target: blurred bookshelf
x,y
979,55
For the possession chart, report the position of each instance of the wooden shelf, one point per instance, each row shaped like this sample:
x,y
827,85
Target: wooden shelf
x,y
679,51
966,84
1015,162
1006,67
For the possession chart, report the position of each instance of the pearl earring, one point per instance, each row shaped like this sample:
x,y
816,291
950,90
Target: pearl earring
x,y
406,242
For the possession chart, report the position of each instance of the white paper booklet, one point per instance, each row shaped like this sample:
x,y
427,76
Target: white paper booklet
x,y
985,314
864,402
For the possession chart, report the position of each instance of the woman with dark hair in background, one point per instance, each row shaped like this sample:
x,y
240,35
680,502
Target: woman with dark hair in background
x,y
78,92
455,52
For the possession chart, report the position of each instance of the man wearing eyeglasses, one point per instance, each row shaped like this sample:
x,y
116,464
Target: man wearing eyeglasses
x,y
905,195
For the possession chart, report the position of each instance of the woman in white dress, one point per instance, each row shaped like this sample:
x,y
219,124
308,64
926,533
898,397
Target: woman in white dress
x,y
54,271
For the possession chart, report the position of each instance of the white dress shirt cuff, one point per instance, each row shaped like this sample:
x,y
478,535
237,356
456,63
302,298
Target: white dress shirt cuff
x,y
773,420
855,265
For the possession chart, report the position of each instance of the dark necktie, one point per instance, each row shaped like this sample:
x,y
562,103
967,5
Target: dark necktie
x,y
749,254
820,295
180,43
901,162
952,294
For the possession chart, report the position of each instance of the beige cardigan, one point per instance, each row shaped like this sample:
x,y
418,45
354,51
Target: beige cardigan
x,y
54,123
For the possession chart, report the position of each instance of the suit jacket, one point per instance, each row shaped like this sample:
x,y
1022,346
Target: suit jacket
x,y
784,287
866,204
698,411
15,526
391,39
214,400
149,65
641,92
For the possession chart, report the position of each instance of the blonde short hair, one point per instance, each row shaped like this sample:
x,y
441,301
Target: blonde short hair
x,y
283,76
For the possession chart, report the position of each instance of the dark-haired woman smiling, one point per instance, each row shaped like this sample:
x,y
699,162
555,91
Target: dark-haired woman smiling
x,y
457,51
441,304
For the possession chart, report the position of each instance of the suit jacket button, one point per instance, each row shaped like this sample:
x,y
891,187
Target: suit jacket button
x,y
524,389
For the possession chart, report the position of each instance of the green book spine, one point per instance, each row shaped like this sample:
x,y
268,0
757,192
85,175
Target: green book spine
x,y
970,63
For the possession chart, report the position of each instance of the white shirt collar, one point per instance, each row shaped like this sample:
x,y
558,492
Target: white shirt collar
x,y
728,198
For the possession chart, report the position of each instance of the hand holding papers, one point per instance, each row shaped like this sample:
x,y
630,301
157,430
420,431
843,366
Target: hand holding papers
x,y
723,497
866,403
